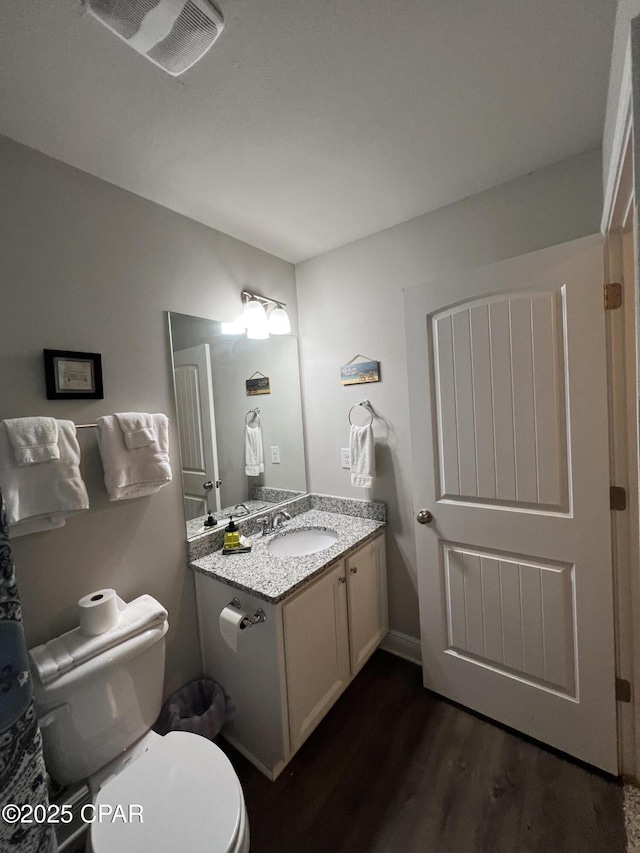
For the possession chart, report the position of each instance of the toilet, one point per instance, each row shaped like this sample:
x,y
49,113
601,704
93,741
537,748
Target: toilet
x,y
177,792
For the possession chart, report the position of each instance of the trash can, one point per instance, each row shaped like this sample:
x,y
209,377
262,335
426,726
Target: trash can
x,y
201,707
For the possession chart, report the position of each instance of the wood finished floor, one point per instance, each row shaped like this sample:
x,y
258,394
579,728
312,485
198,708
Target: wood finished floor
x,y
394,768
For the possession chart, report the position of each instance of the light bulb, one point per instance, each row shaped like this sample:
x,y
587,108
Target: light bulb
x,y
253,313
279,323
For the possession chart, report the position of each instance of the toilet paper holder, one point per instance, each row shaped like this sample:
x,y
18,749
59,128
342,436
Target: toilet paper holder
x,y
249,621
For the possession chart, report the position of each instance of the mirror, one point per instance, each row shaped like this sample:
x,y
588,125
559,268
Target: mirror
x,y
236,399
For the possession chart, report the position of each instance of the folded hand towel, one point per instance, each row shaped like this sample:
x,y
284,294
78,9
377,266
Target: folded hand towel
x,y
137,428
253,453
133,473
33,439
42,496
363,460
73,648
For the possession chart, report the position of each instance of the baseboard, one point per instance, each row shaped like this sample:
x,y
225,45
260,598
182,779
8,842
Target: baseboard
x,y
403,646
271,774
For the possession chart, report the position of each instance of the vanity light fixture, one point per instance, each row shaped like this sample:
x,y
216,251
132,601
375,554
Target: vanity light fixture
x,y
254,316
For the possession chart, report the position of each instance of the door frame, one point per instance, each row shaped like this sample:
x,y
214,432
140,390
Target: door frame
x,y
619,229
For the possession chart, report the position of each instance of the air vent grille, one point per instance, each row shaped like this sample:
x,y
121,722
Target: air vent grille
x,y
173,34
123,16
191,35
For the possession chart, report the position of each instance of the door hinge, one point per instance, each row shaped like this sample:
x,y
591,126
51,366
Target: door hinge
x,y
612,295
617,498
623,690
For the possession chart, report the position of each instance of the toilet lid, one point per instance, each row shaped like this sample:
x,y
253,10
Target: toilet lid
x,y
190,797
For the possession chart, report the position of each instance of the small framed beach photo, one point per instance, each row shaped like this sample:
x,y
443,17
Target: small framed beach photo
x,y
73,375
359,372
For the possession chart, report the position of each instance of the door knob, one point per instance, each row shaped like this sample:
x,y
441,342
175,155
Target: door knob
x,y
207,486
424,516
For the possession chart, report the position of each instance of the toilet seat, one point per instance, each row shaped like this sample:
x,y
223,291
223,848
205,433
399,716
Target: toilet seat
x,y
190,796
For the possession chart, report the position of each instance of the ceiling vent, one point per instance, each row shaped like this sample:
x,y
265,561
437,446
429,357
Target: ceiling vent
x,y
173,34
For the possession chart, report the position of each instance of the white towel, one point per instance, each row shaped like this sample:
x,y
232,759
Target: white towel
x,y
33,439
40,497
253,451
137,428
133,473
58,656
363,459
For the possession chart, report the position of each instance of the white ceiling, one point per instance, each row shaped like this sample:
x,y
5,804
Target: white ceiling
x,y
310,124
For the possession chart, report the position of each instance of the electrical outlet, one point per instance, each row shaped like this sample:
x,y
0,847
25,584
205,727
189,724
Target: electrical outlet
x,y
345,456
275,455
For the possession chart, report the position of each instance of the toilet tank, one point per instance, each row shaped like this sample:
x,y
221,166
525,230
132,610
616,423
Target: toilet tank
x,y
91,714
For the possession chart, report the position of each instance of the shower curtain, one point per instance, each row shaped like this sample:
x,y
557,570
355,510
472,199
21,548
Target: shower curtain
x,y
22,772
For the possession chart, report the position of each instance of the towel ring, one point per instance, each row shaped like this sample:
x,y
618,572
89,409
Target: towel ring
x,y
252,413
365,405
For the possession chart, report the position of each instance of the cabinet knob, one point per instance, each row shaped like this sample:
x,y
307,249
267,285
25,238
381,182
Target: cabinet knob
x,y
353,570
342,580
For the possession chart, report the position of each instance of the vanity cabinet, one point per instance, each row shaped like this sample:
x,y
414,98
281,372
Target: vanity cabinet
x,y
331,628
287,672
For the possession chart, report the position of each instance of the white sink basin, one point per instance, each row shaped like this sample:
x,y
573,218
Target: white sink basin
x,y
297,543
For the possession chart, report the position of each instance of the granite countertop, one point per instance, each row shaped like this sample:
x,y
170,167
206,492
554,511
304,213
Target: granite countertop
x,y
272,577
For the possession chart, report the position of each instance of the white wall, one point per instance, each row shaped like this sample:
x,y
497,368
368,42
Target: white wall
x,y
350,301
87,266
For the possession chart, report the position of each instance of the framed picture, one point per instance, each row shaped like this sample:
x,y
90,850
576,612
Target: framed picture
x,y
258,384
73,375
359,372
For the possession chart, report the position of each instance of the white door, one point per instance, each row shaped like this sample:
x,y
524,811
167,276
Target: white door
x,y
508,404
196,426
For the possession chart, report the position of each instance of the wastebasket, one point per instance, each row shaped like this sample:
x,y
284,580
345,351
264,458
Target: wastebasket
x,y
201,707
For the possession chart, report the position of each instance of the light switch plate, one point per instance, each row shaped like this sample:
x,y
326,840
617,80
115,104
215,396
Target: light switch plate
x,y
275,455
345,457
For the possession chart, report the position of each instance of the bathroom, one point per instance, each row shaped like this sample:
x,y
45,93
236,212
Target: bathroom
x,y
88,265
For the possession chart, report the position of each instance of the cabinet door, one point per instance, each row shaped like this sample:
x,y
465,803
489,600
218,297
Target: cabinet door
x,y
367,590
316,651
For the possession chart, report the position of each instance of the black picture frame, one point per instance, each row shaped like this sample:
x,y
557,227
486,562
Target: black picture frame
x,y
73,375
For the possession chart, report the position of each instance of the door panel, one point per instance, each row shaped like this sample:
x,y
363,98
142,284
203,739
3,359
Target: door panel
x,y
508,404
196,427
499,399
513,616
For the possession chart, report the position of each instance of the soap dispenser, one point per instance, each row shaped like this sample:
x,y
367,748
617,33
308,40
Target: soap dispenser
x,y
231,535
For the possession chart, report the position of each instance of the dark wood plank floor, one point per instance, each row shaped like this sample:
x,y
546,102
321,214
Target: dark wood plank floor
x,y
394,768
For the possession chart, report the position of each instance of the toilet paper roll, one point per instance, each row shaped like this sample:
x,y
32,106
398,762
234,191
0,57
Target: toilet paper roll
x,y
98,611
230,619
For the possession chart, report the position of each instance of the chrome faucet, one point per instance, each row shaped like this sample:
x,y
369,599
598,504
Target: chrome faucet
x,y
244,507
270,523
279,519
